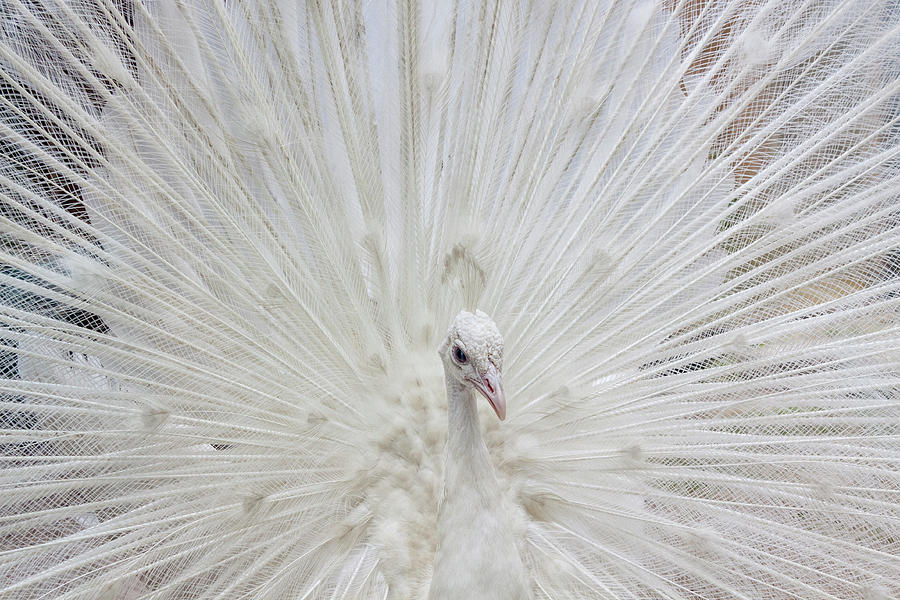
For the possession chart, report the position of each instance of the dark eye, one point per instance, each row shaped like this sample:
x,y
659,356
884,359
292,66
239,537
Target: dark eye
x,y
459,355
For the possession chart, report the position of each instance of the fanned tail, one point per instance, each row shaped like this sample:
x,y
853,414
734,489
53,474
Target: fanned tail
x,y
233,235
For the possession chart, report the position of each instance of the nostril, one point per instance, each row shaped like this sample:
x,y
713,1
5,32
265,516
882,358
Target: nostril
x,y
487,384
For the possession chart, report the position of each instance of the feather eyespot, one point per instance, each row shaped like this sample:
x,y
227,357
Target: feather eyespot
x,y
459,356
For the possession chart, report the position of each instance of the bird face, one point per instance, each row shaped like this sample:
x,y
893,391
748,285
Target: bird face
x,y
473,353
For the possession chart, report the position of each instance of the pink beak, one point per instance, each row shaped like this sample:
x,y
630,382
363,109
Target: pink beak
x,y
491,387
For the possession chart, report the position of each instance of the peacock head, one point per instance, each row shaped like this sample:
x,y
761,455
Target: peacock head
x,y
473,354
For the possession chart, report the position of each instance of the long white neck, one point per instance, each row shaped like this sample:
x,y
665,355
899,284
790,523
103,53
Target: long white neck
x,y
476,554
468,461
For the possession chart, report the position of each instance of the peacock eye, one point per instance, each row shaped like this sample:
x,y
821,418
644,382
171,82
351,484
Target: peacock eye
x,y
459,355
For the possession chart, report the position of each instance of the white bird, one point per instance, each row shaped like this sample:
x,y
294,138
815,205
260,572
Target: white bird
x,y
233,234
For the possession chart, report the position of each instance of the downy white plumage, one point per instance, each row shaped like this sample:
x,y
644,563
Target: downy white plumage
x,y
233,235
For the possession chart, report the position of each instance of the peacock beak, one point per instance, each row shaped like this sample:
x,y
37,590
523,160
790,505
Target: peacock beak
x,y
490,385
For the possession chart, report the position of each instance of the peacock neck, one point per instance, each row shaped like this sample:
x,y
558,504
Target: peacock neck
x,y
476,556
468,460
